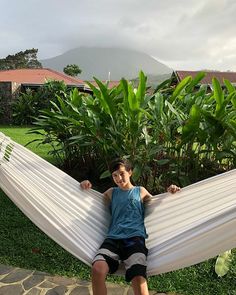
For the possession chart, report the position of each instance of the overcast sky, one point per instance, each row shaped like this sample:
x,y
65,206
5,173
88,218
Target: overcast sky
x,y
183,34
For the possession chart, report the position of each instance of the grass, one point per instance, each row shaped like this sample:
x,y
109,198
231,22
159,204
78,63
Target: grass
x,y
20,136
24,245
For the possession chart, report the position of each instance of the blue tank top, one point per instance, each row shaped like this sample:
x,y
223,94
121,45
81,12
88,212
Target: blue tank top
x,y
127,214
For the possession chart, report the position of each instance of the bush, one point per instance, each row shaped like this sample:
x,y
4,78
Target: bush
x,y
173,135
27,107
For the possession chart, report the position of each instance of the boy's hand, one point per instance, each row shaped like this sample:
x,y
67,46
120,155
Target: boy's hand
x,y
173,189
85,184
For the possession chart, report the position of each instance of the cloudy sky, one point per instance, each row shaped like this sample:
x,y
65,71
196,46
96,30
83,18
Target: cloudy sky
x,y
183,34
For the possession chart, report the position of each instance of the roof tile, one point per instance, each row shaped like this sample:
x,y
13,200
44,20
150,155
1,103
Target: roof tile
x,y
36,76
231,76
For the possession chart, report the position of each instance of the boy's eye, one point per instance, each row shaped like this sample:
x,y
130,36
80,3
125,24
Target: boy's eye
x,y
118,174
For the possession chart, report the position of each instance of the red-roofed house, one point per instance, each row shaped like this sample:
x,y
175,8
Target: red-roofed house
x,y
37,77
12,82
178,76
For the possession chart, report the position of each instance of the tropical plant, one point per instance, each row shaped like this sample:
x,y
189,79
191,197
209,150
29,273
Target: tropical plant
x,y
176,135
59,127
29,103
25,108
204,140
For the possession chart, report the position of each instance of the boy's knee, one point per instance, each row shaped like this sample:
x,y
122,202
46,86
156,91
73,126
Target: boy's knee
x,y
139,279
139,284
137,272
100,269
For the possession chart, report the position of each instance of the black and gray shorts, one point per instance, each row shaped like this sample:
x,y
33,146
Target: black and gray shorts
x,y
131,251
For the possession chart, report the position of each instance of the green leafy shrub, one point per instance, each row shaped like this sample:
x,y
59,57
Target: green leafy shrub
x,y
176,135
29,104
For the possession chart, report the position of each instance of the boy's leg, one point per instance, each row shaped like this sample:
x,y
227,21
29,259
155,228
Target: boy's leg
x,y
100,270
134,255
139,285
106,260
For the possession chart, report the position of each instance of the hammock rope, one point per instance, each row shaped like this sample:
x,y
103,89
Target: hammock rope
x,y
195,224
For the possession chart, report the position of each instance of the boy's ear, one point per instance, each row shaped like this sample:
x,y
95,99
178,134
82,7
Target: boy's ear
x,y
130,172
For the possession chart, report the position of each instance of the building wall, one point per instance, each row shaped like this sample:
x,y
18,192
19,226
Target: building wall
x,y
9,92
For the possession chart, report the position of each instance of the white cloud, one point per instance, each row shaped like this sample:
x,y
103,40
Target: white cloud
x,y
184,34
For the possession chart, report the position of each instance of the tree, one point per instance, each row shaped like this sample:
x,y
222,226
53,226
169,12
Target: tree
x,y
72,70
21,60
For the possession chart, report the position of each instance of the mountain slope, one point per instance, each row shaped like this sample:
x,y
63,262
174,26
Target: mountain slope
x,y
99,62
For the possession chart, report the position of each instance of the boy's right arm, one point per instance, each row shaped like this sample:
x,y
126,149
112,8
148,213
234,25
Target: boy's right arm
x,y
108,195
86,184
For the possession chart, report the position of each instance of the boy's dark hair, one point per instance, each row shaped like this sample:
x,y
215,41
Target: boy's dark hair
x,y
116,163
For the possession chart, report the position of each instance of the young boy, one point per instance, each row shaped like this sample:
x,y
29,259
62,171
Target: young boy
x,y
125,240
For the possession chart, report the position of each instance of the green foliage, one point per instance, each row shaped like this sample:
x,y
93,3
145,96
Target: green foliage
x,y
25,108
22,60
20,135
72,70
1,112
177,135
29,104
223,263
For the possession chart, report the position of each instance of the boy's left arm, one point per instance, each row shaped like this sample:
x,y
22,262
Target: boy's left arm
x,y
173,189
146,196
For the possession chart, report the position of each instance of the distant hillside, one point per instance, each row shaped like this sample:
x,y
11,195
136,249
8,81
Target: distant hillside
x,y
99,62
153,80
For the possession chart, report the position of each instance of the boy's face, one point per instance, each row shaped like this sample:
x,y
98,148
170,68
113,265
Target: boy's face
x,y
121,177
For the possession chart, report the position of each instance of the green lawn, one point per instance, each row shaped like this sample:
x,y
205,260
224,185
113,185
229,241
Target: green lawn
x,y
20,136
24,245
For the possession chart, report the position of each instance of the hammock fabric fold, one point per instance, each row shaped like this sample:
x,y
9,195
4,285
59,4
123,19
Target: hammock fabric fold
x,y
195,224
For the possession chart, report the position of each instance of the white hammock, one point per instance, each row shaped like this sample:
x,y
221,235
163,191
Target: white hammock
x,y
195,224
